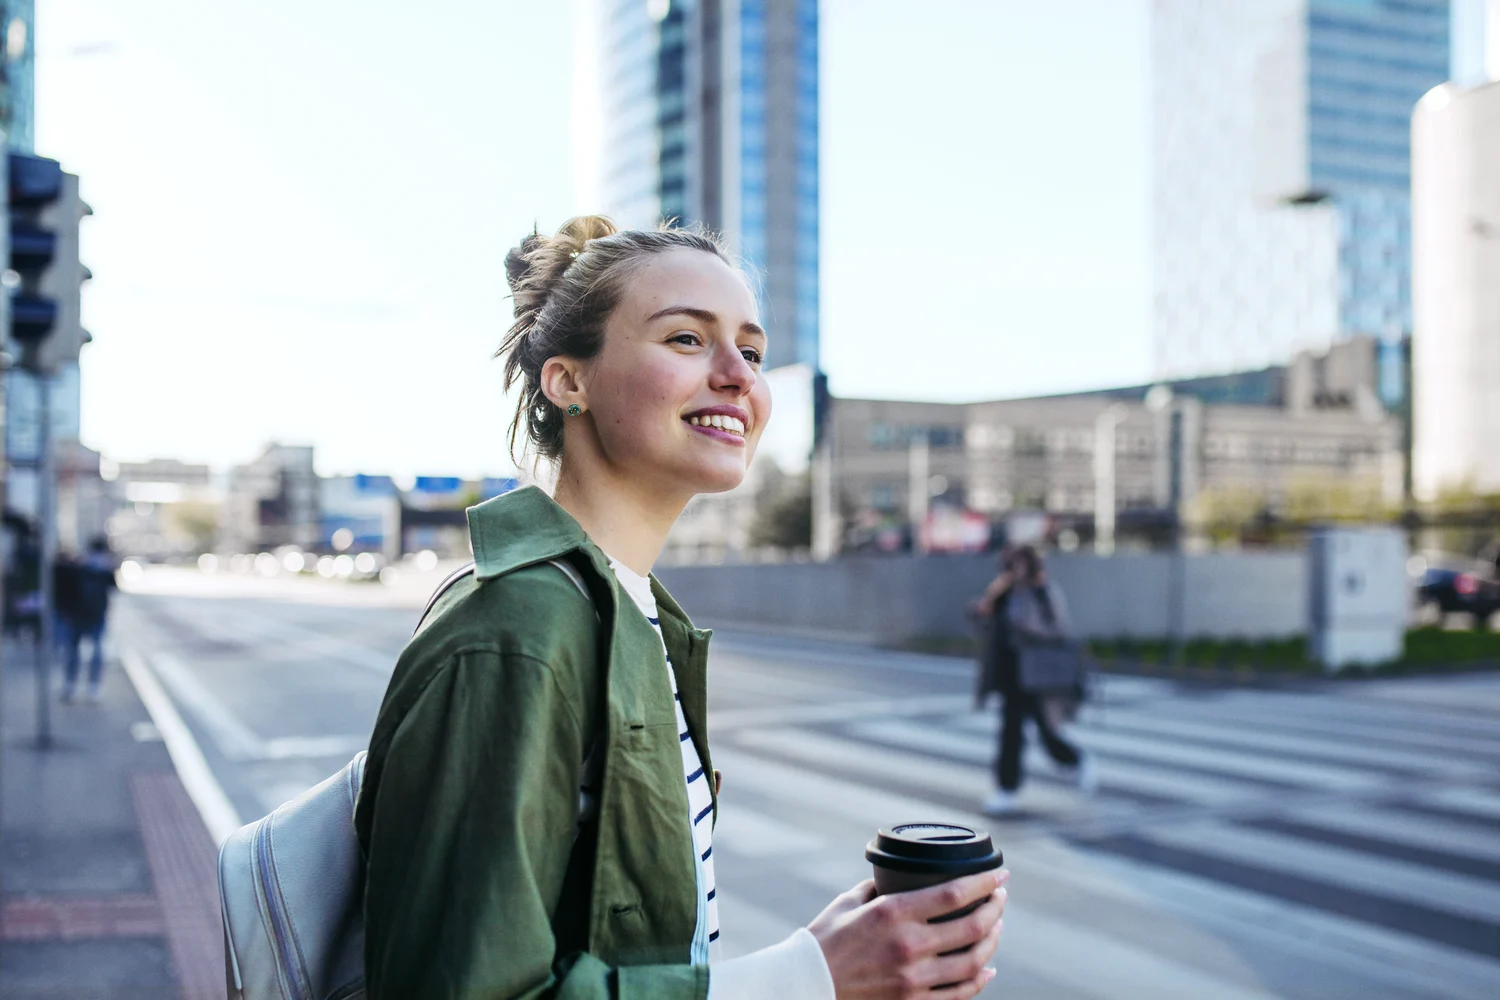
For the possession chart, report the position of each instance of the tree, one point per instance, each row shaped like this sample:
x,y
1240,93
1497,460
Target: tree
x,y
783,514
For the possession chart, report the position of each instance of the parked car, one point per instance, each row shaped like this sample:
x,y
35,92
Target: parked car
x,y
1450,591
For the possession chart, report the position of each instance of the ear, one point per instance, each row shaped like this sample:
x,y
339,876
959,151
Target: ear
x,y
562,382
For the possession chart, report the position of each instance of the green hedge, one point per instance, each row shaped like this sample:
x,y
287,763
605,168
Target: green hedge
x,y
1427,649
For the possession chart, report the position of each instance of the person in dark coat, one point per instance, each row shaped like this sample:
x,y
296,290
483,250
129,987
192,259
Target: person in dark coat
x,y
1011,601
83,588
994,647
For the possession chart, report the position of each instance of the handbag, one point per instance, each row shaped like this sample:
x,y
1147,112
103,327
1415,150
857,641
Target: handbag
x,y
1051,668
291,885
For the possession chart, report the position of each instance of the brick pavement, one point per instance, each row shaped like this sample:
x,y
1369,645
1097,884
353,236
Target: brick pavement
x,y
107,884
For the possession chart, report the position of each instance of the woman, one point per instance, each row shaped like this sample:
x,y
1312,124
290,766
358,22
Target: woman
x,y
537,811
996,652
1024,607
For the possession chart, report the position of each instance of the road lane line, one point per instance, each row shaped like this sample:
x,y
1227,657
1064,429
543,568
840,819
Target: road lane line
x,y
878,764
312,747
1367,874
218,813
782,715
1252,737
234,739
1164,781
1390,824
1482,804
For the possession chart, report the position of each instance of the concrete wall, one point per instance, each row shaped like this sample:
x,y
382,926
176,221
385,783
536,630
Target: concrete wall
x,y
885,599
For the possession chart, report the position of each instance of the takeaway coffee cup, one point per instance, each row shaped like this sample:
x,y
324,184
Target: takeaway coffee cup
x,y
917,855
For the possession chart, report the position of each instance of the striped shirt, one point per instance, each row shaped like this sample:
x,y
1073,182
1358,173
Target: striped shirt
x,y
700,799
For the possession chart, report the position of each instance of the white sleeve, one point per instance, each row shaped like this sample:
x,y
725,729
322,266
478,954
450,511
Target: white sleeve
x,y
791,970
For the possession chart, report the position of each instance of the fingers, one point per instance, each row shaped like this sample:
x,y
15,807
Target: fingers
x,y
966,930
964,990
862,893
968,971
939,900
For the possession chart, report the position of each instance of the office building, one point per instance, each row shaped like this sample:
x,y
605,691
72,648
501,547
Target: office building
x,y
272,501
706,111
163,509
18,74
1281,439
1456,342
1281,178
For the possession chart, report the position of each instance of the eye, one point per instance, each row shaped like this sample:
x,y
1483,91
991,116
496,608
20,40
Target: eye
x,y
751,355
687,337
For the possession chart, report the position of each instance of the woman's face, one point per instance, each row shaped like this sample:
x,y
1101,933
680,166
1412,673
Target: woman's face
x,y
676,391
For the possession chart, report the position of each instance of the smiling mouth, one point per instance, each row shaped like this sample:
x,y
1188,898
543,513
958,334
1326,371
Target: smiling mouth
x,y
719,421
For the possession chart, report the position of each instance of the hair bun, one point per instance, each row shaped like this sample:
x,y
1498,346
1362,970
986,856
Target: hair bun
x,y
533,267
518,260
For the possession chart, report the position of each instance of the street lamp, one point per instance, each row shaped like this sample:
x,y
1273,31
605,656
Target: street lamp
x,y
1105,503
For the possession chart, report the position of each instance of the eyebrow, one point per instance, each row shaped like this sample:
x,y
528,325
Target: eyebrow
x,y
703,316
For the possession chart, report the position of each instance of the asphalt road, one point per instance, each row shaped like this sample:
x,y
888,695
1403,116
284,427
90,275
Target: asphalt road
x,y
1339,840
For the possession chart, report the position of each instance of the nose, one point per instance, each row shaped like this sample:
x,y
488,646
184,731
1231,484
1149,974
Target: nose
x,y
731,372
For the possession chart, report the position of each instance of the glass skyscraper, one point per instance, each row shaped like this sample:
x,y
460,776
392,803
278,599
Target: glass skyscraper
x,y
1367,66
708,113
1281,174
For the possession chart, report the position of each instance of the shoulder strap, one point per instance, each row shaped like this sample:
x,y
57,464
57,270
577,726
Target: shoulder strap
x,y
442,589
568,570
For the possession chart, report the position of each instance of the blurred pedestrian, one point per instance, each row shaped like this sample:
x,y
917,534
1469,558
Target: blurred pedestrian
x,y
22,578
82,590
1035,630
995,647
538,804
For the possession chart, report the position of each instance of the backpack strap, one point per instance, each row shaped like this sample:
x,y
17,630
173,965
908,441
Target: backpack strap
x,y
442,589
568,570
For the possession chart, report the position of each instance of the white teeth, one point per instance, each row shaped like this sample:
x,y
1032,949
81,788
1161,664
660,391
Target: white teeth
x,y
734,425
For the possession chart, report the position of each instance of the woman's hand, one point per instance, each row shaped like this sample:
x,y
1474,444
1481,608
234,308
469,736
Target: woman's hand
x,y
883,948
998,586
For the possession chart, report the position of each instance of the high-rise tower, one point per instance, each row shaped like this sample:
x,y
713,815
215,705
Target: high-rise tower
x,y
1281,201
706,111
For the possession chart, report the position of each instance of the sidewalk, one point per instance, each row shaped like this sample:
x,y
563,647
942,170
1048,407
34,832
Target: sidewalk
x,y
107,881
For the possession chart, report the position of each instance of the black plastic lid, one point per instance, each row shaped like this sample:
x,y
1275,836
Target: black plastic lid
x,y
934,848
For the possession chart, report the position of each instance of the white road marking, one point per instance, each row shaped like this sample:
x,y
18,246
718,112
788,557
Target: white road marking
x,y
218,813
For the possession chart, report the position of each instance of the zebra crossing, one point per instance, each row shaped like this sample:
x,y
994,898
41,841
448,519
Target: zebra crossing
x,y
1334,842
1244,843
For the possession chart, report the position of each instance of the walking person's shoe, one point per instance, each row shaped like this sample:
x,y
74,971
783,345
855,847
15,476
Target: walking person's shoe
x,y
93,694
1001,803
69,692
1084,775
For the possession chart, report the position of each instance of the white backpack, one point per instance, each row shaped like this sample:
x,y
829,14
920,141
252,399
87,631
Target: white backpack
x,y
291,885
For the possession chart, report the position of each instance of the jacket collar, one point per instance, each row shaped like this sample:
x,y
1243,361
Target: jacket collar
x,y
526,526
521,528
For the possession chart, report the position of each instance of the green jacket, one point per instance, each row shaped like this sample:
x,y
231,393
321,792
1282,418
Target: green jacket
x,y
470,802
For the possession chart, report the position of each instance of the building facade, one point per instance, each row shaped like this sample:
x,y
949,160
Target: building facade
x,y
1266,440
18,74
1281,212
163,509
1456,343
707,112
272,501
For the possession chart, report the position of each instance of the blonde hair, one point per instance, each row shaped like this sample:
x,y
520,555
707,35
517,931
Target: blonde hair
x,y
564,288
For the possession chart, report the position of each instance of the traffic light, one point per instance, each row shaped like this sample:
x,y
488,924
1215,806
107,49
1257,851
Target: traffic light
x,y
46,328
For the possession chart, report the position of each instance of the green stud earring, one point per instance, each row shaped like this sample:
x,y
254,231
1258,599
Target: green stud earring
x,y
574,409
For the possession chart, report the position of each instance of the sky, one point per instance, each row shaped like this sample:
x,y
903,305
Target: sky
x,y
301,214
